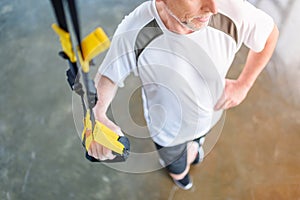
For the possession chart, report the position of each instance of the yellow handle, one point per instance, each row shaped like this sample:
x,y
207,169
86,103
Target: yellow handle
x,y
92,45
107,138
102,135
65,41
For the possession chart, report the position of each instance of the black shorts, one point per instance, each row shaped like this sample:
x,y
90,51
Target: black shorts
x,y
175,157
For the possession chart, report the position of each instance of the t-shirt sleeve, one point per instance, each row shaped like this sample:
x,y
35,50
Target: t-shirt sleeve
x,y
119,61
256,27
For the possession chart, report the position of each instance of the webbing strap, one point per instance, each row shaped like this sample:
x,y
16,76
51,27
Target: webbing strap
x,y
89,84
60,14
72,72
75,22
62,22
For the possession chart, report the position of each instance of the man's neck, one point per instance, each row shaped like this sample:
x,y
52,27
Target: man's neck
x,y
170,23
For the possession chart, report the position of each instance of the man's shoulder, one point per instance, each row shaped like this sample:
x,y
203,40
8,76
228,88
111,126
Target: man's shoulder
x,y
137,18
233,9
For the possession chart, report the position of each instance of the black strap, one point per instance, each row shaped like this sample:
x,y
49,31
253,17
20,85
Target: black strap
x,y
62,22
75,21
72,73
91,91
60,14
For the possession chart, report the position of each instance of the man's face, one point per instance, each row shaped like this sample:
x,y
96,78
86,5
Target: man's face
x,y
193,14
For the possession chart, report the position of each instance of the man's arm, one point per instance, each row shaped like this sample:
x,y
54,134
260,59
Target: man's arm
x,y
106,91
236,90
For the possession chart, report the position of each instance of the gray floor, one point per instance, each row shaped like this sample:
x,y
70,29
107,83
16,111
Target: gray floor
x,y
256,157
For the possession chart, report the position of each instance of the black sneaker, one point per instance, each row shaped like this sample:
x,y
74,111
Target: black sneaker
x,y
184,183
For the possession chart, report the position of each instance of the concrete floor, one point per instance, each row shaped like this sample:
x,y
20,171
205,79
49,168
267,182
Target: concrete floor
x,y
257,155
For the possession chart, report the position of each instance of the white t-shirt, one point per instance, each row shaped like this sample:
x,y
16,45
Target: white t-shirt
x,y
183,76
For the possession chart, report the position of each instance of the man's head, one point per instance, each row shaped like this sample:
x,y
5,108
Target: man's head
x,y
192,14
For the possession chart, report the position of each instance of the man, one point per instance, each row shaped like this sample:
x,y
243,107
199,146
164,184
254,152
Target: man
x,y
182,50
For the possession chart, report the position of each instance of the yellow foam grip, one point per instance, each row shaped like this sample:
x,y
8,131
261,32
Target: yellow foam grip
x,y
107,138
102,135
65,41
87,130
92,45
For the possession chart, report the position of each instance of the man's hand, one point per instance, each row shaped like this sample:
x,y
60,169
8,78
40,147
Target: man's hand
x,y
236,90
233,94
98,151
